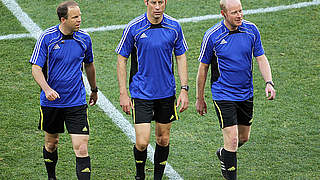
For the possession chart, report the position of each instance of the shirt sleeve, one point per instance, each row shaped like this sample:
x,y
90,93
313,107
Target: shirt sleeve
x,y
89,53
258,48
40,51
181,45
126,43
206,51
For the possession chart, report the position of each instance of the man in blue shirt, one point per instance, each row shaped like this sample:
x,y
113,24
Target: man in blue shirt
x,y
57,62
228,46
151,39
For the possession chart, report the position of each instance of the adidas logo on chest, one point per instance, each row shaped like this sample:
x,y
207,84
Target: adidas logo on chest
x,y
223,41
143,35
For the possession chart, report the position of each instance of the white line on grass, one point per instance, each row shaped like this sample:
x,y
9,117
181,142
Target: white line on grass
x,y
26,22
15,36
183,20
103,102
127,127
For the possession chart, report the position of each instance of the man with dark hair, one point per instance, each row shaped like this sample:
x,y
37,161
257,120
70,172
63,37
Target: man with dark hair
x,y
228,47
151,39
57,62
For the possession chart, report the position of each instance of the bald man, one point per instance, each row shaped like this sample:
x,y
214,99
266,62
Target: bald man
x,y
229,47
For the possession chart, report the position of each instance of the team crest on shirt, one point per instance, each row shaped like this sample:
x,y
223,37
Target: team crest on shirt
x,y
56,46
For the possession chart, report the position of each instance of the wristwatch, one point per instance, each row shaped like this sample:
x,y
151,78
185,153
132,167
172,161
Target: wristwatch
x,y
185,87
270,82
95,89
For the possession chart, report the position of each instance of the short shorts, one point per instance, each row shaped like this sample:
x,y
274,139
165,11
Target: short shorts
x,y
234,112
75,118
161,110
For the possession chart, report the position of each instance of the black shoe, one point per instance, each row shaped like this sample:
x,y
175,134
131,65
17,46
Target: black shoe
x,y
223,169
139,177
52,178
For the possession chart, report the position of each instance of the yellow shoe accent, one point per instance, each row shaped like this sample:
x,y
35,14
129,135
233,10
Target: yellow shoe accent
x,y
86,170
171,117
232,168
48,160
251,120
85,129
163,163
139,161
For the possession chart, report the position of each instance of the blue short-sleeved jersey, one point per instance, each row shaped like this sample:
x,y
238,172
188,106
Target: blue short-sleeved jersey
x,y
151,48
230,54
61,58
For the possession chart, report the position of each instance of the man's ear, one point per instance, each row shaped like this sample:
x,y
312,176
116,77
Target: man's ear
x,y
63,20
222,13
146,2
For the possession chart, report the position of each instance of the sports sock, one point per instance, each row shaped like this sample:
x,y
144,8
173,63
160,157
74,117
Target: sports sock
x,y
230,160
140,158
83,168
160,160
50,160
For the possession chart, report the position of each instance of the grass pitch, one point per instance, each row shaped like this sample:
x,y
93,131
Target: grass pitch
x,y
284,141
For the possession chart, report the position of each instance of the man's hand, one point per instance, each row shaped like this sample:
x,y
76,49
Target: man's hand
x,y
183,100
201,106
51,94
126,104
93,98
271,90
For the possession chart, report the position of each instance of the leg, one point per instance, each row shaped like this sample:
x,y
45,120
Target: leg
x,y
229,156
142,115
245,118
51,122
50,153
77,124
140,149
230,138
244,134
80,147
142,135
162,132
227,115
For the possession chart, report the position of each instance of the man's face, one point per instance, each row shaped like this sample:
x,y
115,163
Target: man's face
x,y
155,8
74,19
233,14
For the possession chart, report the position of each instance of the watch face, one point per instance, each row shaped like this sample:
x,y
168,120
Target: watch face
x,y
185,87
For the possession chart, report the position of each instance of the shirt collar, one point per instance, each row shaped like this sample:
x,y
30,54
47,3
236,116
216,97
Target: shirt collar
x,y
149,23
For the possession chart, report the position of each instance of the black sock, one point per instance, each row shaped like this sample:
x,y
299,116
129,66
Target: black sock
x,y
140,158
83,168
230,161
160,160
240,144
50,160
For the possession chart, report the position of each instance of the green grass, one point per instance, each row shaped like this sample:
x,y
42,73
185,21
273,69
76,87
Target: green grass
x,y
285,135
9,24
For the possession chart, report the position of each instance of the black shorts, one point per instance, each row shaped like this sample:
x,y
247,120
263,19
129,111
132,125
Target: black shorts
x,y
234,112
161,110
52,119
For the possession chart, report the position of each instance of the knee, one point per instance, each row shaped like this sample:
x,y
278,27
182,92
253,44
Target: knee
x,y
83,150
52,145
162,140
142,146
